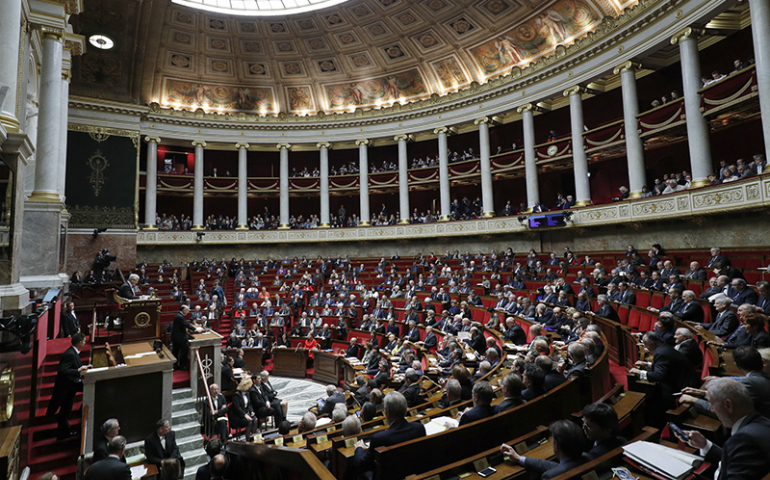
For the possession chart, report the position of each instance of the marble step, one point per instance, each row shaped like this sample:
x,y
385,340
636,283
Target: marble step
x,y
185,416
188,429
181,393
190,444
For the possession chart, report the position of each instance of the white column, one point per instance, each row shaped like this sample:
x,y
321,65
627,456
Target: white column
x,y
760,19
10,33
443,172
198,186
697,127
637,176
324,168
363,180
49,125
151,183
243,187
530,162
283,185
403,179
65,93
487,196
579,160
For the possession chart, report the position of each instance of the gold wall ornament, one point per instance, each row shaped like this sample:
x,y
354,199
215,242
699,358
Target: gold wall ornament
x,y
142,320
7,394
98,164
99,134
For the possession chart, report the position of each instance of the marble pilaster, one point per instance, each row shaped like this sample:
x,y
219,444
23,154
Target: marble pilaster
x,y
284,185
637,176
363,179
151,183
443,172
10,35
324,169
198,185
403,179
243,186
760,16
530,162
579,159
487,196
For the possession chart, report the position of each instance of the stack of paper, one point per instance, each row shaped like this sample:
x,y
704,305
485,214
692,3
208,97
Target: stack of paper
x,y
138,471
669,462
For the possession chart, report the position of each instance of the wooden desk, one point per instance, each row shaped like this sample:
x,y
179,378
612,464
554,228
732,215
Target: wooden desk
x,y
289,362
253,359
327,367
140,390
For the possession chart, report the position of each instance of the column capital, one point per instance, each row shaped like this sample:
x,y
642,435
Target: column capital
x,y
320,145
527,107
686,33
575,90
53,33
149,139
240,145
402,137
362,141
440,130
627,66
481,120
281,146
199,143
76,44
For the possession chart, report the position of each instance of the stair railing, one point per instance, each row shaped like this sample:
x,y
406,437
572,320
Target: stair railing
x,y
207,400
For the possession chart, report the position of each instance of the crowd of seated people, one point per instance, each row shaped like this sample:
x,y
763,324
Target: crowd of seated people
x,y
716,75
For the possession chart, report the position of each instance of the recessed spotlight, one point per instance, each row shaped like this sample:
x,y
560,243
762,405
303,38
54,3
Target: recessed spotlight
x,y
102,42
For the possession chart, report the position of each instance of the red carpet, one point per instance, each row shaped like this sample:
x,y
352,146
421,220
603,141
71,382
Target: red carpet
x,y
40,449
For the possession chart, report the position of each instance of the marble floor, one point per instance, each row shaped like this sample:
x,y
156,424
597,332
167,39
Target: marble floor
x,y
301,393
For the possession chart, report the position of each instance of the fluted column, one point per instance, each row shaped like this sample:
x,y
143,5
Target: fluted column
x,y
697,127
363,180
760,15
65,93
443,173
403,179
487,196
284,185
49,125
10,33
530,162
324,168
198,186
637,176
579,160
151,183
243,186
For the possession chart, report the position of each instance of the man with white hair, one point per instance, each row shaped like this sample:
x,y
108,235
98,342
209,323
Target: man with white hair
x,y
333,397
746,453
339,413
411,388
399,431
307,422
725,322
691,310
127,289
686,344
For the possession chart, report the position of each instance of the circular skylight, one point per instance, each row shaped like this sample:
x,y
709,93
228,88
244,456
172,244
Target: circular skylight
x,y
259,7
102,42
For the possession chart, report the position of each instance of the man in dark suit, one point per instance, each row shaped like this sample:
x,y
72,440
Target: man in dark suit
x,y
411,389
763,301
717,257
600,424
399,431
746,453
512,386
68,383
353,349
742,293
669,369
726,320
414,333
625,295
127,289
482,403
552,378
216,420
691,310
430,340
161,444
109,430
605,310
111,468
514,333
70,325
333,397
568,443
180,343
686,344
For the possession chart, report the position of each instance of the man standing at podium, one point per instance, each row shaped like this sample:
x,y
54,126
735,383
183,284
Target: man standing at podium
x,y
68,383
127,289
179,342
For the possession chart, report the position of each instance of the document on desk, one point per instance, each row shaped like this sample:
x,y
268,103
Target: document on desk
x,y
669,462
138,471
439,424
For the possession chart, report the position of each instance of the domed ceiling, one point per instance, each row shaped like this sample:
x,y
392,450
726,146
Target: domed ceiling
x,y
357,54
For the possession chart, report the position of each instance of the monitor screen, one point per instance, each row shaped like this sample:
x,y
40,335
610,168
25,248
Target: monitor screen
x,y
550,220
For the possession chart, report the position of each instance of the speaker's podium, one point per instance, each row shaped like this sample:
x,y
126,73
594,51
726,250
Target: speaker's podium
x,y
140,319
131,382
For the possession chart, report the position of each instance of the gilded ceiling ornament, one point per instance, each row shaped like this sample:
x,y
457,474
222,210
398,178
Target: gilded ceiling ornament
x,y
99,134
98,164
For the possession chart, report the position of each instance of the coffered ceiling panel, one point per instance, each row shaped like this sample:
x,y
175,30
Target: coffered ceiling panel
x,y
358,54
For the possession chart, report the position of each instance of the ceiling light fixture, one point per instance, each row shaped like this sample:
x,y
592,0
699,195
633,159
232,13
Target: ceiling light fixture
x,y
102,42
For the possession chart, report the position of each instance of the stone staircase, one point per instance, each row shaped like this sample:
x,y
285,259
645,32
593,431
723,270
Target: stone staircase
x,y
185,421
